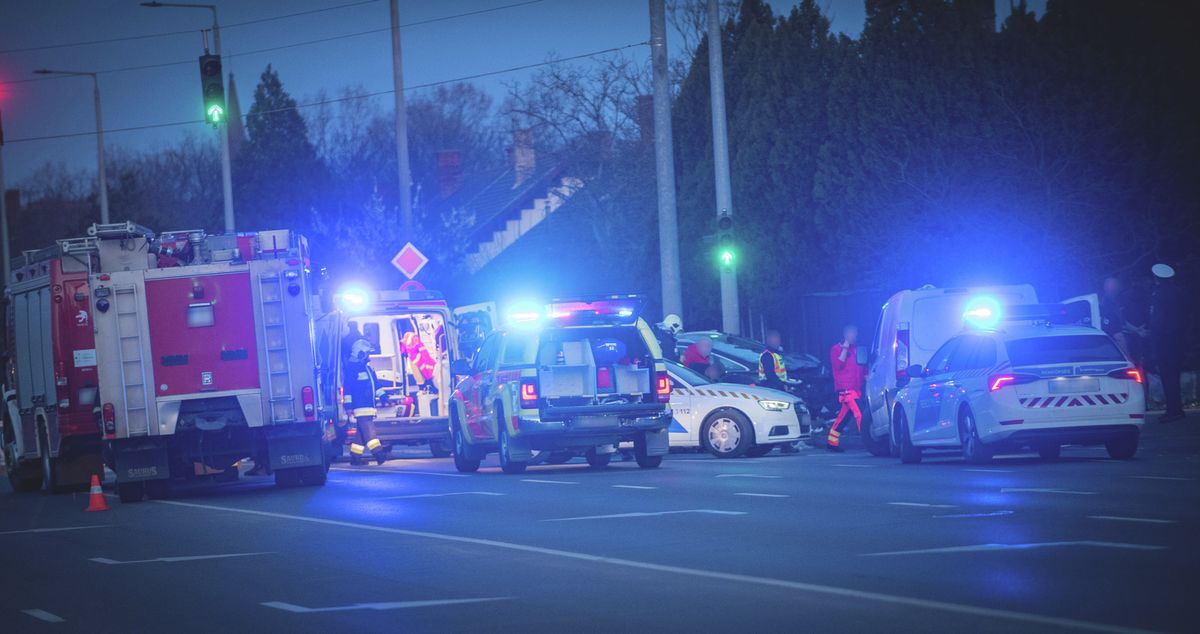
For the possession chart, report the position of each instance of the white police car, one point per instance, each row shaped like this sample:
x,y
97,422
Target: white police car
x,y
730,420
1022,386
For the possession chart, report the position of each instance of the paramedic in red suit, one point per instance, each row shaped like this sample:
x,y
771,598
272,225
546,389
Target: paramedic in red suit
x,y
848,379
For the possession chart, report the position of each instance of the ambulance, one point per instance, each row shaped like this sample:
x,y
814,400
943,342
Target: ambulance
x,y
50,437
205,356
410,332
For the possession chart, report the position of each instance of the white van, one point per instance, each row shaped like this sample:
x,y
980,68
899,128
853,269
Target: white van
x,y
912,325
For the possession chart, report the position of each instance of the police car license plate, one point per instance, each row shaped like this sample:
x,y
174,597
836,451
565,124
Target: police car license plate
x,y
1074,385
589,422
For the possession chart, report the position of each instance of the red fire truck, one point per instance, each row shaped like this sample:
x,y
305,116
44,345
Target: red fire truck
x,y
50,436
205,351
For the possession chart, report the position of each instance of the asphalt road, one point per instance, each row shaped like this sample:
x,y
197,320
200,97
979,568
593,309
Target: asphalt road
x,y
811,542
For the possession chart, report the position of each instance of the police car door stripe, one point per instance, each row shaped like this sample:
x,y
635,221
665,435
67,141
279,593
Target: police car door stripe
x,y
1087,399
1103,401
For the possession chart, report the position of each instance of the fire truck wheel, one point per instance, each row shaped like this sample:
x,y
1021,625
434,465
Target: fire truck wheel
x,y
131,492
313,476
21,477
49,468
287,478
438,449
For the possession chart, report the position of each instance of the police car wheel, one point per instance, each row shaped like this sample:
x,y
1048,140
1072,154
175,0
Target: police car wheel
x,y
598,460
463,462
909,453
974,451
507,465
1122,448
727,434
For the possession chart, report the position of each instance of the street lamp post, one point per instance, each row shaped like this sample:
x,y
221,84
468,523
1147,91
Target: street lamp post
x,y
222,126
103,181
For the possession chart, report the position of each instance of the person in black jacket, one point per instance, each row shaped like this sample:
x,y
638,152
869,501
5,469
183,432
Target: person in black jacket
x,y
1166,327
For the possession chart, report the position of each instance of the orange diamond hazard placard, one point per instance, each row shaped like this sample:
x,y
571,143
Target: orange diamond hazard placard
x,y
410,261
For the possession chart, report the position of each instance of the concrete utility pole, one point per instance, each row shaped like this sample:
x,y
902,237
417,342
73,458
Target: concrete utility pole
x,y
4,248
406,219
102,180
664,163
223,126
730,321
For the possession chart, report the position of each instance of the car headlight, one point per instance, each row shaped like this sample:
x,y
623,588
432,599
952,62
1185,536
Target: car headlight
x,y
775,406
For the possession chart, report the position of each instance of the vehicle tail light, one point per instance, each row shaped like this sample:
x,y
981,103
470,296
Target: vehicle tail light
x,y
109,417
351,430
998,381
901,355
529,393
310,407
1131,374
662,388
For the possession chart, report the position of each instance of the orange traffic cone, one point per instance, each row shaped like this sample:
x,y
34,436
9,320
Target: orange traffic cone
x,y
96,498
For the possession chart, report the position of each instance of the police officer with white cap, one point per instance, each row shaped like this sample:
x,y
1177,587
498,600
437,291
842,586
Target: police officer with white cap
x,y
1166,325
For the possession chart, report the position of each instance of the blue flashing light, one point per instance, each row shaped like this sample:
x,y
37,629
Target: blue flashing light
x,y
625,312
353,299
524,313
983,312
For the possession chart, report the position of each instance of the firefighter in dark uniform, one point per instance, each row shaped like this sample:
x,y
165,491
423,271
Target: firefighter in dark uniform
x,y
772,373
359,382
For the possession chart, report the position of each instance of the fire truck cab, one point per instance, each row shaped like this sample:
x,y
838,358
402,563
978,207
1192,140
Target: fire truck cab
x,y
205,351
50,437
409,365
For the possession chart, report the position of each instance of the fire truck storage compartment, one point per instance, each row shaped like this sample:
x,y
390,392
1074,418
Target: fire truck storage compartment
x,y
590,362
33,352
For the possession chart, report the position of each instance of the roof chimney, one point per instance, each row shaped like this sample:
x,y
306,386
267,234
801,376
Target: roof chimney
x,y
449,172
524,159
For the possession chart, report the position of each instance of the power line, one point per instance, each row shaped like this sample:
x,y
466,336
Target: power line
x,y
322,102
148,36
283,46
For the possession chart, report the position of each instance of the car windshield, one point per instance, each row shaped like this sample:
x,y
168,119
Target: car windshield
x,y
687,374
1064,349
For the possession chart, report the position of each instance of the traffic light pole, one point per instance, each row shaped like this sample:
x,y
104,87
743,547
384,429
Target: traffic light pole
x,y
664,161
730,313
223,132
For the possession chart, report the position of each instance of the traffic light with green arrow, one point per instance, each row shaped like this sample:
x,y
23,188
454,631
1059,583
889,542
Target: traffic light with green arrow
x,y
213,88
726,251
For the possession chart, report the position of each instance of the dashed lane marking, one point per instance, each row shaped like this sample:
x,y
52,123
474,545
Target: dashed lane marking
x,y
391,605
172,560
989,470
763,495
748,475
923,505
966,515
52,530
861,466
1036,490
712,575
976,548
650,514
43,615
1144,520
401,472
439,495
548,481
1176,479
632,486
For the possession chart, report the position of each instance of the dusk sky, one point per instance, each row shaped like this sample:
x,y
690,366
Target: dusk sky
x,y
527,33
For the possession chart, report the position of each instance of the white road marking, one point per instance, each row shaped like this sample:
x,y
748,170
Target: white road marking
x,y
862,466
1029,546
964,515
171,560
1117,518
714,575
391,605
763,495
439,495
651,514
748,475
52,530
632,486
1163,478
401,472
43,615
989,470
548,481
1035,490
923,505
